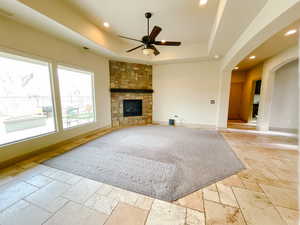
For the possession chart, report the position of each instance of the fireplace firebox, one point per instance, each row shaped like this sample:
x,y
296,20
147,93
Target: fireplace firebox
x,y
132,107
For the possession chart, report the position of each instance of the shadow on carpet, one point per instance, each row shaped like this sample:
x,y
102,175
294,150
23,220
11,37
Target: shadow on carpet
x,y
162,162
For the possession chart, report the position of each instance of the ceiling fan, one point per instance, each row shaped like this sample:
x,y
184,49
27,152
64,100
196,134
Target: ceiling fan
x,y
148,41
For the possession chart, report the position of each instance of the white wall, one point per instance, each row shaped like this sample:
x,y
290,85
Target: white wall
x,y
268,78
284,109
185,89
23,40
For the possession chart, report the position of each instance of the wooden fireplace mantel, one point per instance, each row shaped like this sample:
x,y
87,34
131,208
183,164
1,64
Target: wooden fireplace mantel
x,y
128,90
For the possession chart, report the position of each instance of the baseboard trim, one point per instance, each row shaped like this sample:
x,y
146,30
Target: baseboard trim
x,y
188,125
288,130
49,148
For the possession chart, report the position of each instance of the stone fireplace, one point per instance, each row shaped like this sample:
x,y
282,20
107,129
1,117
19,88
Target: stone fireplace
x,y
131,93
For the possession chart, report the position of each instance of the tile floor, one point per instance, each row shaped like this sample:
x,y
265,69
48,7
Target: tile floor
x,y
266,193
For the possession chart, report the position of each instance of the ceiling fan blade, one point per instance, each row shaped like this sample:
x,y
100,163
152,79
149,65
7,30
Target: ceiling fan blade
x,y
154,33
168,43
129,38
134,48
156,52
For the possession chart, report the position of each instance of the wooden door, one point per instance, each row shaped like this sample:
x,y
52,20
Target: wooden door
x,y
235,101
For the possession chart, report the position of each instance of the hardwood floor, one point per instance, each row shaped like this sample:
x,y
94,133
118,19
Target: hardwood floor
x,y
266,193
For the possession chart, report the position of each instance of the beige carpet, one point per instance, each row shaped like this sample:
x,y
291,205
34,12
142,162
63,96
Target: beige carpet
x,y
162,162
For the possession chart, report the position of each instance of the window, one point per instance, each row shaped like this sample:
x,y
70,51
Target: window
x,y
76,94
26,106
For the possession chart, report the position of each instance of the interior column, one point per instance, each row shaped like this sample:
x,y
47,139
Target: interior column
x,y
223,104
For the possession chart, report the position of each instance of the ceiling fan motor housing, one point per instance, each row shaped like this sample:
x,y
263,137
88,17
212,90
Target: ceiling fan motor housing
x,y
145,39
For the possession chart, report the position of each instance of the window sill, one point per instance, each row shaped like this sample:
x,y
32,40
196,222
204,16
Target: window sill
x,y
28,139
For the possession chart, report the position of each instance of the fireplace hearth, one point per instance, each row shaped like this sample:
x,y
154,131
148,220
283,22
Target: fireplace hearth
x,y
132,107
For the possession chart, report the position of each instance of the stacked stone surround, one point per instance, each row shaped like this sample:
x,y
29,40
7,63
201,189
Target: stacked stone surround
x,y
130,76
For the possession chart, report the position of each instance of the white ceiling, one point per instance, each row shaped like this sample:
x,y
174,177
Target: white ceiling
x,y
204,31
181,20
235,16
273,46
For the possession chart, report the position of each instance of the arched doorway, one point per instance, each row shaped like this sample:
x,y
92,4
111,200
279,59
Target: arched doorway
x,y
268,78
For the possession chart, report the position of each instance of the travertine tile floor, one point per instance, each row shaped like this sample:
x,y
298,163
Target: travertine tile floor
x,y
263,194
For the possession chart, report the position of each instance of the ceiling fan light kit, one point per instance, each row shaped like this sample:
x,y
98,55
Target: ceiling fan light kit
x,y
148,41
148,51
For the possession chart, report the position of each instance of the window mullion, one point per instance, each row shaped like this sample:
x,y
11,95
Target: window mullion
x,y
57,101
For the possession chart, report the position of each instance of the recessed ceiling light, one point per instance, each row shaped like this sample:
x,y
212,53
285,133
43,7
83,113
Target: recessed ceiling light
x,y
203,2
163,41
106,24
236,68
216,56
252,57
290,32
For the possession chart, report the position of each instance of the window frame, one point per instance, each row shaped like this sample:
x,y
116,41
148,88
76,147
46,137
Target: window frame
x,y
78,70
35,60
